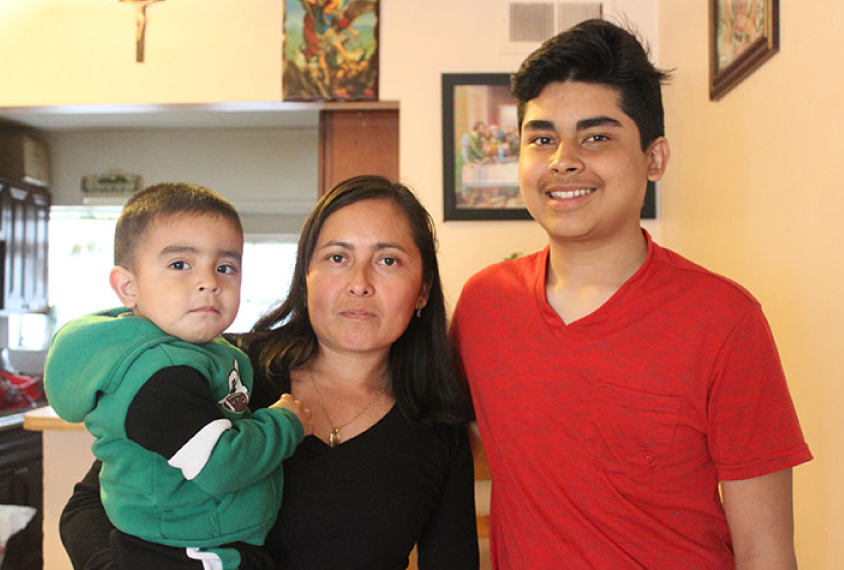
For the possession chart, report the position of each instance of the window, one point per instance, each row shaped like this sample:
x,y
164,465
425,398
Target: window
x,y
268,263
81,256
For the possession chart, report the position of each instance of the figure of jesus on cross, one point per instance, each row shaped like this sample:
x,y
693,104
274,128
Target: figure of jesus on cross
x,y
140,25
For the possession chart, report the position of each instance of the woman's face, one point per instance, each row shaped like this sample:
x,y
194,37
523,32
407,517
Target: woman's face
x,y
364,279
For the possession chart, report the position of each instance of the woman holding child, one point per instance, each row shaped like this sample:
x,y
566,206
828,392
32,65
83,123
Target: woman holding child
x,y
360,340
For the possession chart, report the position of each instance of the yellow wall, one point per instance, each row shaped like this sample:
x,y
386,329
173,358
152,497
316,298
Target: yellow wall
x,y
83,51
754,191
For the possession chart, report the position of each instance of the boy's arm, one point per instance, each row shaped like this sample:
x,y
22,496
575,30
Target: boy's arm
x,y
175,415
760,514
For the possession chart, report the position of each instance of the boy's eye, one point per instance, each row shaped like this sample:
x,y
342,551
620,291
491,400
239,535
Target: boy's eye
x,y
597,138
226,268
178,265
390,261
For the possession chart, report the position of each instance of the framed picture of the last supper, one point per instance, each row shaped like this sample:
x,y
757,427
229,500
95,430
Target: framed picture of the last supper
x,y
480,148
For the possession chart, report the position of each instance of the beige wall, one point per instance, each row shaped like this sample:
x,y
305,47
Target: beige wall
x,y
83,51
754,191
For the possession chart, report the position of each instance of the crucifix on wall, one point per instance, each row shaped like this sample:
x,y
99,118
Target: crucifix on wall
x,y
140,25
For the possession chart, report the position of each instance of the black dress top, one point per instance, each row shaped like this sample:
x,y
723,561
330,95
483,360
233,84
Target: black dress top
x,y
364,504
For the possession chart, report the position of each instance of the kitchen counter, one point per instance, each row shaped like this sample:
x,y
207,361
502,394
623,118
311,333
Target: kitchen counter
x,y
13,418
44,419
67,457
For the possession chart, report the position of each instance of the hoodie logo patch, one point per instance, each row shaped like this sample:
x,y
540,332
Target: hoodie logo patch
x,y
238,397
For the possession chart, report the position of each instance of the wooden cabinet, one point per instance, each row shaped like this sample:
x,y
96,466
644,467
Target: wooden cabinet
x,y
21,476
357,142
24,223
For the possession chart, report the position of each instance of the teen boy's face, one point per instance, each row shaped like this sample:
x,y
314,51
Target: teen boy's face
x,y
582,170
186,276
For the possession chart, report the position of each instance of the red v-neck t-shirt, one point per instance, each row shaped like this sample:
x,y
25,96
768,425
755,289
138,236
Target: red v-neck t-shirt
x,y
607,437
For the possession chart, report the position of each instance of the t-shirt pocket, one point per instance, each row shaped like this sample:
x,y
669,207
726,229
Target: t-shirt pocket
x,y
631,432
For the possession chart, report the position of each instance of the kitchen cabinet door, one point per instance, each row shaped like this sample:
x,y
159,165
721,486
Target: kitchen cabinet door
x,y
21,473
38,219
24,223
357,142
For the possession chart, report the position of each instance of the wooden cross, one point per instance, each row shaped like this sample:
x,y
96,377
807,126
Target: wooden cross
x,y
140,25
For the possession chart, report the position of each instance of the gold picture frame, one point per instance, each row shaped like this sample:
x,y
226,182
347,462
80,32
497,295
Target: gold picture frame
x,y
330,50
743,34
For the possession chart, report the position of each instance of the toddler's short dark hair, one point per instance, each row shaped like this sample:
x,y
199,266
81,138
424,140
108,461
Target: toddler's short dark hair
x,y
160,201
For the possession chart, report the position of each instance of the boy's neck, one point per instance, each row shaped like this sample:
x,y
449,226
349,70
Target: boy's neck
x,y
582,276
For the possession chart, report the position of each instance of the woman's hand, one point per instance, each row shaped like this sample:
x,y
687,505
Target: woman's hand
x,y
287,402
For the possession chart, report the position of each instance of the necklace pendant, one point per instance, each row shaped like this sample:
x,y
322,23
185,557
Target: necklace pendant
x,y
334,438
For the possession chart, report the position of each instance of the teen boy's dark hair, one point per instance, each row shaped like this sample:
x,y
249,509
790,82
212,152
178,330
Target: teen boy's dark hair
x,y
599,52
162,200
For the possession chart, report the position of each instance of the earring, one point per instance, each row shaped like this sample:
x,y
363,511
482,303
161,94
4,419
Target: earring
x,y
418,312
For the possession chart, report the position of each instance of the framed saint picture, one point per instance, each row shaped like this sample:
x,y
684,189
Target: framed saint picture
x,y
743,35
330,50
480,148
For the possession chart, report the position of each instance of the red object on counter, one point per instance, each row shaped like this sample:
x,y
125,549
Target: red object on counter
x,y
19,391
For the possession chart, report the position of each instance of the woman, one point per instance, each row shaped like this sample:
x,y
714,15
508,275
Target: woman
x,y
361,340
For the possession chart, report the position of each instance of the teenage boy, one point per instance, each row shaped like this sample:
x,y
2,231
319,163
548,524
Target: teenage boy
x,y
187,470
616,383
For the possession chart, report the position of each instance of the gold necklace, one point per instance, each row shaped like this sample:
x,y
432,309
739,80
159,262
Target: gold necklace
x,y
334,435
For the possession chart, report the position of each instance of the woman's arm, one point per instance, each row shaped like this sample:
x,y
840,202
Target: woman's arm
x,y
84,526
451,539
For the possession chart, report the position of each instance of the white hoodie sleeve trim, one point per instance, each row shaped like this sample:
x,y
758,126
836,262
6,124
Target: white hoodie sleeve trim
x,y
193,455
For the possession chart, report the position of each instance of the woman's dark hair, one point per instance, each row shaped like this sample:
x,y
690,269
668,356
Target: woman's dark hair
x,y
599,52
421,366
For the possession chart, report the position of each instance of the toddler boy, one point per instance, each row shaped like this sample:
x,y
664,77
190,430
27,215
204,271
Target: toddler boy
x,y
188,470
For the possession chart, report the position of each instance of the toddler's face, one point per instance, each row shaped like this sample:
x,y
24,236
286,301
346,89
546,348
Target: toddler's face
x,y
186,275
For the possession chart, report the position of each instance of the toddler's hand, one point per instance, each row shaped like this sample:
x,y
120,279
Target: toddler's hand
x,y
304,414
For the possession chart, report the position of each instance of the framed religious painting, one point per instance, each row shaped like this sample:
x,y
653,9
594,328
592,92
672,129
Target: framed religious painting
x,y
330,50
743,34
649,203
480,148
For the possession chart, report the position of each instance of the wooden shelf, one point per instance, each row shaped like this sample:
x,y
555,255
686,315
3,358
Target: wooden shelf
x,y
179,115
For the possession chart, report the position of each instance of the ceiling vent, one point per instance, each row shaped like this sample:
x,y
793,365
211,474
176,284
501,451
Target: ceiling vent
x,y
528,23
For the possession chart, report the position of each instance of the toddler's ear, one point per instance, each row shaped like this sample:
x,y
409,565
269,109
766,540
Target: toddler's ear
x,y
123,282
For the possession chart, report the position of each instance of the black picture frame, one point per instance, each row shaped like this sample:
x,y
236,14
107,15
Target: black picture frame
x,y
740,43
649,204
480,179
